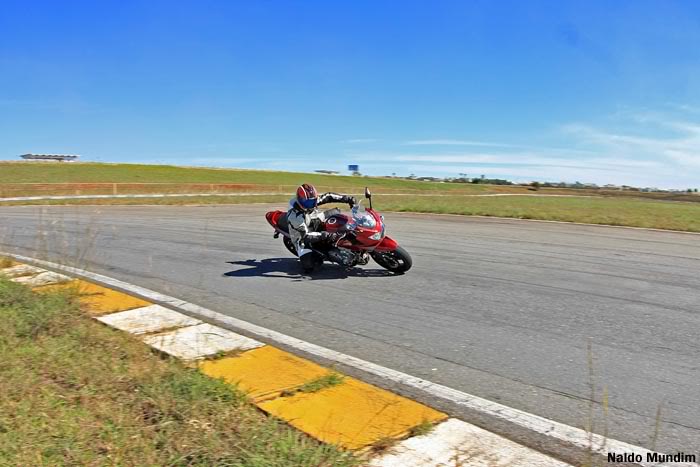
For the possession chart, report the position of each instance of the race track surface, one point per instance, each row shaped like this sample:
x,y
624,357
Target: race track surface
x,y
502,309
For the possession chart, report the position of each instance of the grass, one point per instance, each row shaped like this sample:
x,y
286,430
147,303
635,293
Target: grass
x,y
27,172
75,392
5,262
422,429
610,211
651,210
322,382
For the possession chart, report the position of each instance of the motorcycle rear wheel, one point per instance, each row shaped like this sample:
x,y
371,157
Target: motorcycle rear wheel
x,y
289,245
311,262
397,261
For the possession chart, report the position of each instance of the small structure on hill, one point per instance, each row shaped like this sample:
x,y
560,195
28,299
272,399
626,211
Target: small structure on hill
x,y
50,157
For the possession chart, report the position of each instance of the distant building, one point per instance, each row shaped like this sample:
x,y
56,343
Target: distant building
x,y
49,157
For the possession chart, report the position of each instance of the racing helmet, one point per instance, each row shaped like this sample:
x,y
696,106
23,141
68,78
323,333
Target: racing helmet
x,y
307,197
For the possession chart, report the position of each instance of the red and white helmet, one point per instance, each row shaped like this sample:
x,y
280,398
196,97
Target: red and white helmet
x,y
307,197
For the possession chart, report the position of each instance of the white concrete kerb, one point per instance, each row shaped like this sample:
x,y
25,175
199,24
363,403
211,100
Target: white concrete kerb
x,y
200,341
147,319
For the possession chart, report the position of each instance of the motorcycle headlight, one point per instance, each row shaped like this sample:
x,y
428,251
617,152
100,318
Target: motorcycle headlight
x,y
377,236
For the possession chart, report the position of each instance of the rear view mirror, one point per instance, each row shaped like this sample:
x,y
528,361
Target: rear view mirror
x,y
368,195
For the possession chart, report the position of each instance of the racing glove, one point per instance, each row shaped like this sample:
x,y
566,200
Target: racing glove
x,y
322,237
329,236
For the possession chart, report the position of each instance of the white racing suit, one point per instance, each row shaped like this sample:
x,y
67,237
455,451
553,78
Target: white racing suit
x,y
304,226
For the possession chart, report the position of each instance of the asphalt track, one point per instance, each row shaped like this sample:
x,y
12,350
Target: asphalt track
x,y
537,316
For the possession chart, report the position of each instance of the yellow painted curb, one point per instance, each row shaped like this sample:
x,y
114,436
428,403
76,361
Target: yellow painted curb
x,y
9,264
353,414
96,299
264,373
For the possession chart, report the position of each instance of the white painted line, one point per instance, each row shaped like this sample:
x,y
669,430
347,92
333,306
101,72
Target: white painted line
x,y
21,270
44,278
200,341
550,430
455,442
147,319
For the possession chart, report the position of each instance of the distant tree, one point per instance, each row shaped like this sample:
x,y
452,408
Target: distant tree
x,y
535,184
690,190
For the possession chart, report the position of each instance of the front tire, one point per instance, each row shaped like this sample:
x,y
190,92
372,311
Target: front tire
x,y
397,261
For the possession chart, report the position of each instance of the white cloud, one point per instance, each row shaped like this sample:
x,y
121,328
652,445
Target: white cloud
x,y
644,148
681,147
359,141
686,108
456,142
532,159
225,160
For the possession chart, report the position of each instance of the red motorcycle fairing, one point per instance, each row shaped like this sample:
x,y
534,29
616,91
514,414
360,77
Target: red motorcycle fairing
x,y
336,223
387,244
273,216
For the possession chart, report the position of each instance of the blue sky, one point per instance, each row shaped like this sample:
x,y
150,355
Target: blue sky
x,y
596,91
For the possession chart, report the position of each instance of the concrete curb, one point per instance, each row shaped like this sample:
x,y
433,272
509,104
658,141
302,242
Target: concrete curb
x,y
564,442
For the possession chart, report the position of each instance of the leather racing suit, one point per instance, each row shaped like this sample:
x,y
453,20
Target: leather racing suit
x,y
304,226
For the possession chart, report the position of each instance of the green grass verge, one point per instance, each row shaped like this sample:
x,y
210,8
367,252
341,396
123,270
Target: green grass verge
x,y
27,172
75,392
610,211
615,208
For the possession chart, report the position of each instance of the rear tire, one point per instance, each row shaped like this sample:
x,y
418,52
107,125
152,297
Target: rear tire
x,y
289,245
310,262
397,261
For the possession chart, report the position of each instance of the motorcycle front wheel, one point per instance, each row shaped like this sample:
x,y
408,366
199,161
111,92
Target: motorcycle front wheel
x,y
397,261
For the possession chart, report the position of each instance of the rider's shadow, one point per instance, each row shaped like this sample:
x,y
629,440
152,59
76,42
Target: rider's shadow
x,y
289,268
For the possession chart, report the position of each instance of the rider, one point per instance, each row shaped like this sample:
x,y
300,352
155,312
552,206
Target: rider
x,y
305,220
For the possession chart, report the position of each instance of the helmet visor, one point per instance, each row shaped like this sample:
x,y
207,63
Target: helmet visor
x,y
309,203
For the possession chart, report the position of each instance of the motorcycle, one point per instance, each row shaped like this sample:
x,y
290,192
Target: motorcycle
x,y
356,238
